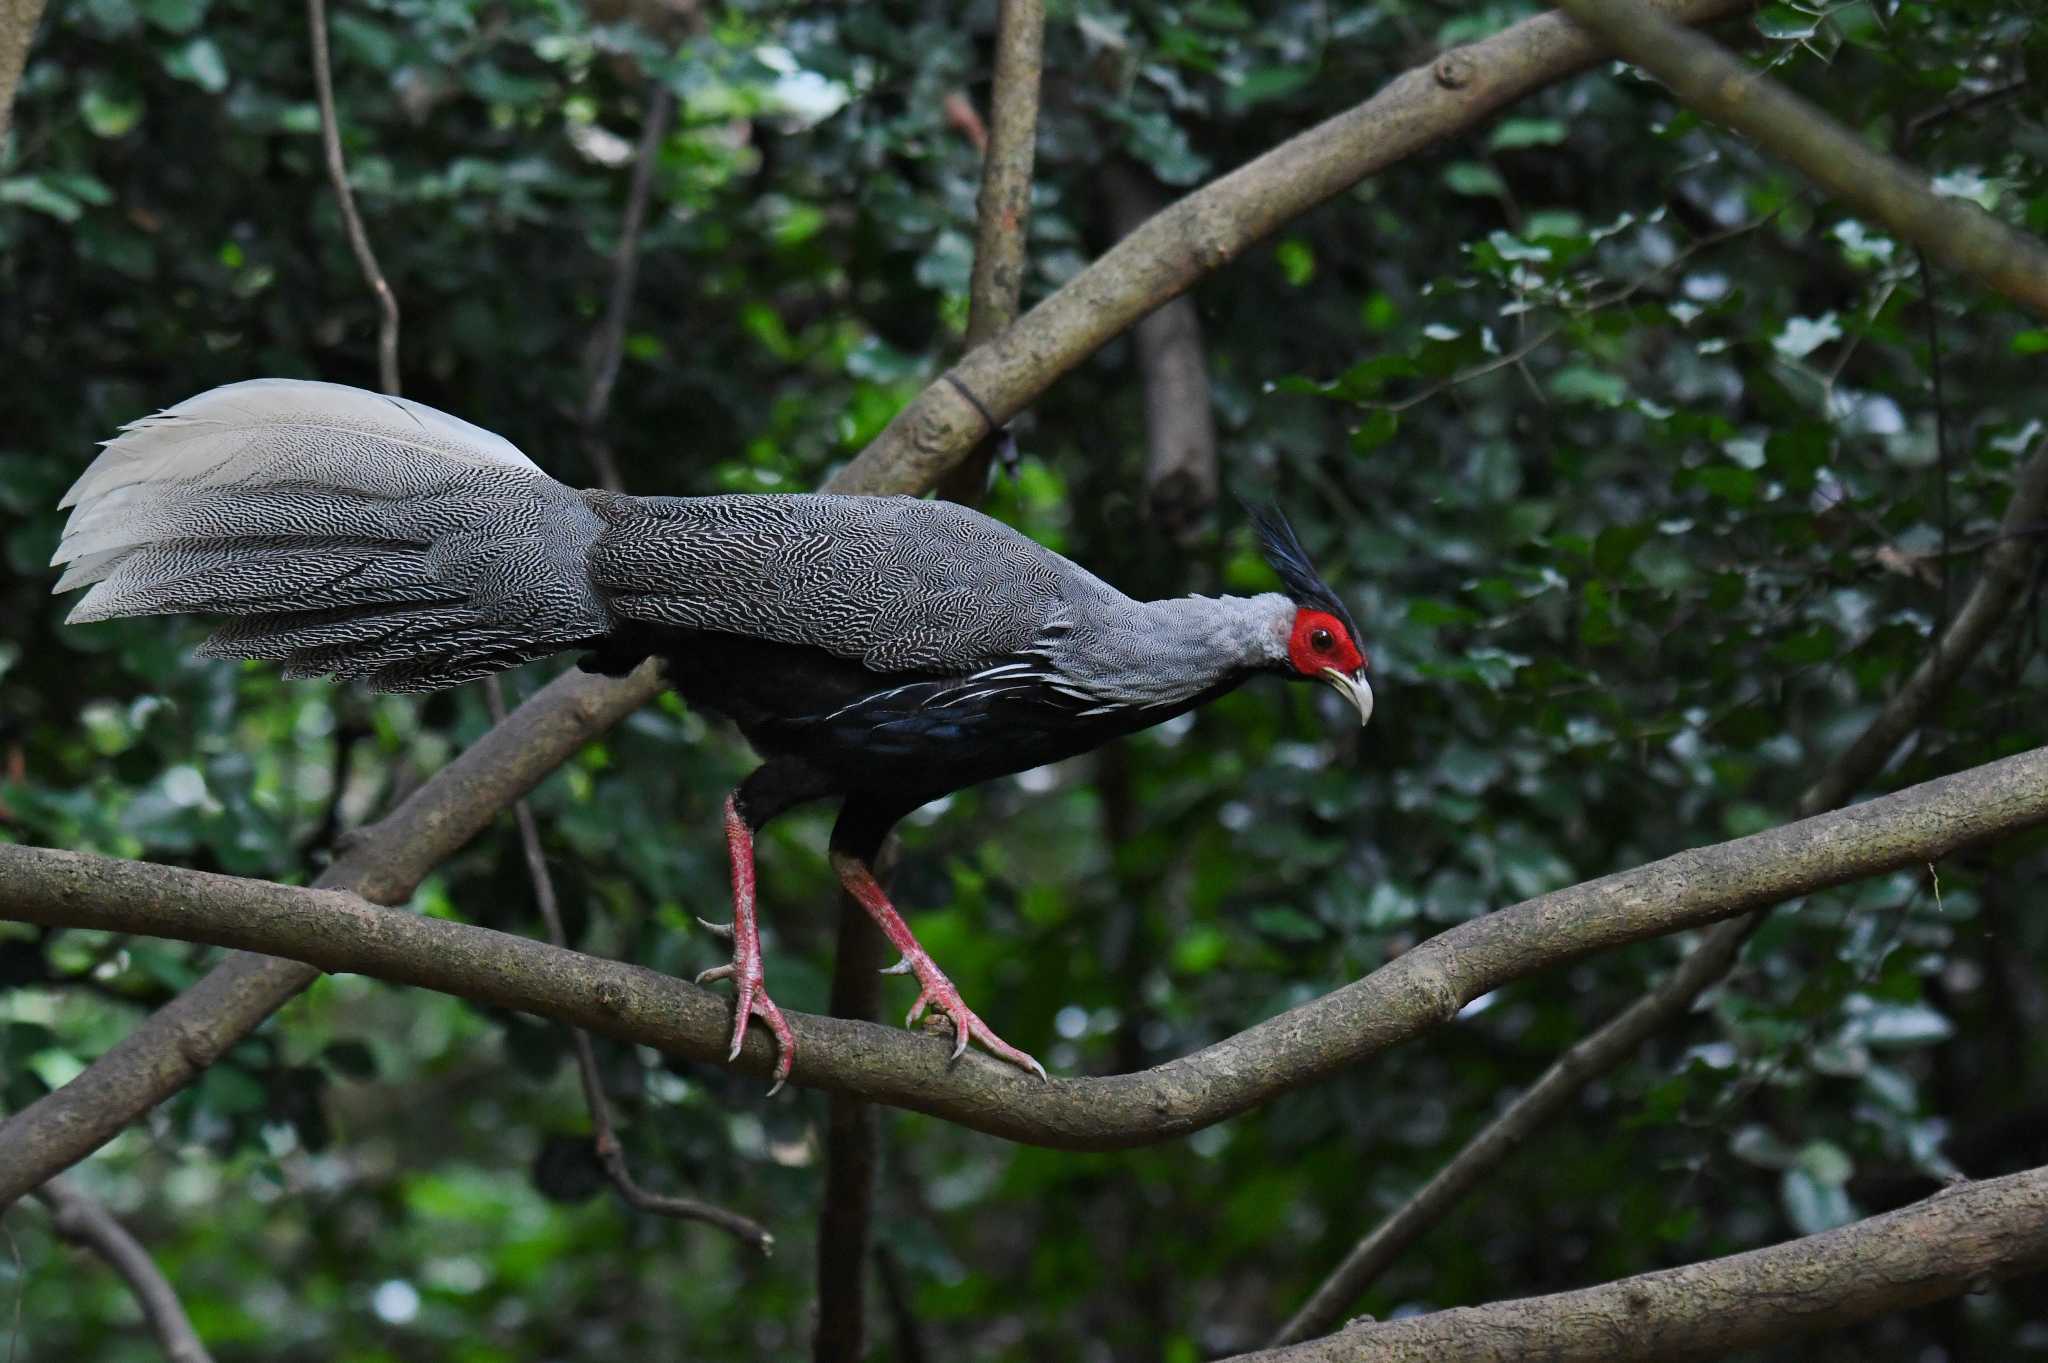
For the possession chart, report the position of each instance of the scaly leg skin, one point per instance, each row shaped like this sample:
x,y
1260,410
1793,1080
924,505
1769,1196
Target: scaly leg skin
x,y
745,934
937,991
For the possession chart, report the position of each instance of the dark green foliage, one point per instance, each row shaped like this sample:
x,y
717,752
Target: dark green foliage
x,y
1622,444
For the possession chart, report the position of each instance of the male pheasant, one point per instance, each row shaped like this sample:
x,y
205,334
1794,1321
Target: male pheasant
x,y
879,651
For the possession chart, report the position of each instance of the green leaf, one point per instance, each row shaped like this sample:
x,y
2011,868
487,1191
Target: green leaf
x,y
2030,342
109,108
1527,132
200,63
32,192
1297,260
1474,178
1376,430
351,1058
1582,383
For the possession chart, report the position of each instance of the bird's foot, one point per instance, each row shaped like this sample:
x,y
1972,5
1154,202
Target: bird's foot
x,y
752,1001
937,992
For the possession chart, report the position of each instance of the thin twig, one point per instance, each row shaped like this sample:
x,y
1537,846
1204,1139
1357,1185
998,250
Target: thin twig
x,y
1003,210
2005,572
610,1154
351,221
84,1222
608,344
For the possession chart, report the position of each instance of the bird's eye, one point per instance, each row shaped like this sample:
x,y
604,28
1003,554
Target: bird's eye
x,y
1322,641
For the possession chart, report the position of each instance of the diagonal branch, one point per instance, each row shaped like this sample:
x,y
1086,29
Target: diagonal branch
x,y
1003,209
1951,1243
1417,991
2007,568
85,1222
1210,227
1162,259
1709,78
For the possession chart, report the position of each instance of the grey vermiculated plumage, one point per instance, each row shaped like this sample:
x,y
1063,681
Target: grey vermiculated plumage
x,y
370,537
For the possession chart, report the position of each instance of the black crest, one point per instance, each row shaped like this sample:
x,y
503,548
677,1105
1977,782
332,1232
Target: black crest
x,y
1304,585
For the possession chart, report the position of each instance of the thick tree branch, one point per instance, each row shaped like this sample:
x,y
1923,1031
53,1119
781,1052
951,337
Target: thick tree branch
x,y
386,862
345,198
2002,579
1411,994
1180,421
1003,209
18,20
1209,228
608,343
1949,1244
85,1222
1709,78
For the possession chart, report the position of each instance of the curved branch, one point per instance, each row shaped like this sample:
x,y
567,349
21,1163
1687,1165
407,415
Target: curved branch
x,y
1210,227
2007,568
1420,990
85,1222
1953,1242
1706,76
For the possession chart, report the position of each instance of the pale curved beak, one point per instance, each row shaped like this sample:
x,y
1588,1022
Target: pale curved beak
x,y
1354,688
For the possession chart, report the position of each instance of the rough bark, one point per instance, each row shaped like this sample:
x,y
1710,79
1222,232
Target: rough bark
x,y
18,20
1949,1244
1709,78
1422,989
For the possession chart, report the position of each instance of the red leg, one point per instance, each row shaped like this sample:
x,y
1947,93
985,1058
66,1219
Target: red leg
x,y
745,970
937,990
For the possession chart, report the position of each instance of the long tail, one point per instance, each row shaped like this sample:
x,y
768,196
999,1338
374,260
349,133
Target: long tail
x,y
341,531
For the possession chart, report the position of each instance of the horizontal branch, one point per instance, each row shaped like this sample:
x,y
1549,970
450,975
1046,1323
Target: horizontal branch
x,y
1949,1244
1720,85
1420,990
1212,226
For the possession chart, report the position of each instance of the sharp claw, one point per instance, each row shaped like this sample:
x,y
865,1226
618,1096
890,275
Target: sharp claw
x,y
717,972
959,1038
902,967
775,1087
1038,1069
717,929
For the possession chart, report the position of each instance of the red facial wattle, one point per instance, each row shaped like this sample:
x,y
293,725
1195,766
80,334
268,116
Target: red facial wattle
x,y
1320,641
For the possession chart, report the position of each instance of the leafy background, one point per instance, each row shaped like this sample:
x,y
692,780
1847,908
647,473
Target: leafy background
x,y
1649,473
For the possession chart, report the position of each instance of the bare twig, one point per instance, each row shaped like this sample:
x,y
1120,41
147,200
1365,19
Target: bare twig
x,y
608,344
18,20
84,1222
345,198
1951,1243
1003,210
610,1154
2001,581
1199,234
1706,76
1180,422
1417,991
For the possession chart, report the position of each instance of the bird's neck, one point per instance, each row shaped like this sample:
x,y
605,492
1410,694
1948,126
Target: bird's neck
x,y
1148,654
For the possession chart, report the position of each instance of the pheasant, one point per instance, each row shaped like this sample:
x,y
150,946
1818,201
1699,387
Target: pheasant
x,y
879,651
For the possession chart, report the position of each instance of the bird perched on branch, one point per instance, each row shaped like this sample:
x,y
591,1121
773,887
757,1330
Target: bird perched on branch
x,y
880,651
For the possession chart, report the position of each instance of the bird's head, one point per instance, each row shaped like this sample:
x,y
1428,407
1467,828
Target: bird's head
x,y
1322,644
